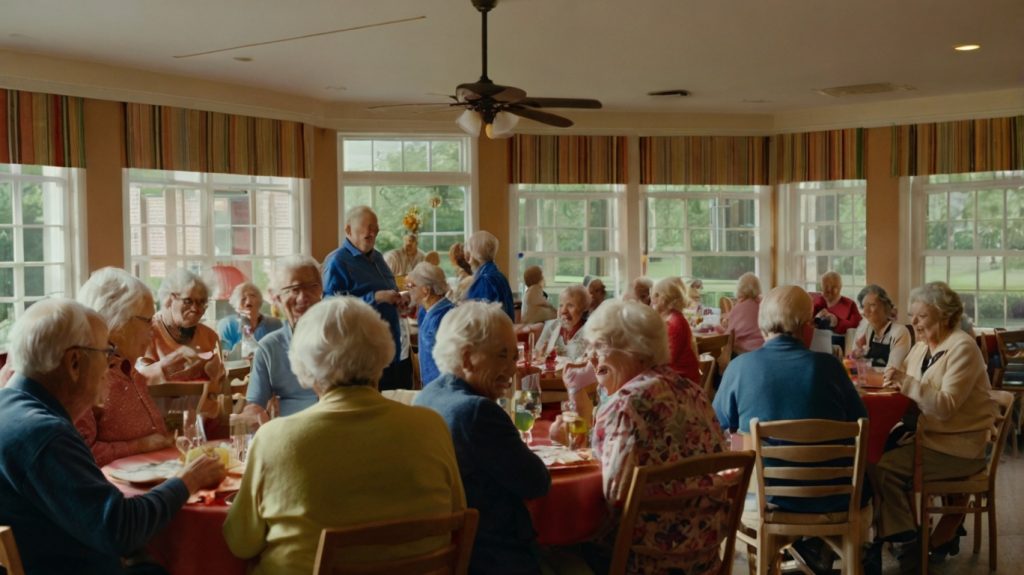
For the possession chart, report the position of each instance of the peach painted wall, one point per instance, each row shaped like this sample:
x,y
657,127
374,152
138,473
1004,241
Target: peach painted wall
x,y
883,214
104,205
492,157
323,204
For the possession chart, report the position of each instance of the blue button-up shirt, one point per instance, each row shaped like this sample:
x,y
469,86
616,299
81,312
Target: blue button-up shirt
x,y
428,335
489,284
348,271
272,375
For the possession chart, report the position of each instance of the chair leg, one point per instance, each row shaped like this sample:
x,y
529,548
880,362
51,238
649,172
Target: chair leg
x,y
976,503
752,559
993,535
926,530
852,564
767,554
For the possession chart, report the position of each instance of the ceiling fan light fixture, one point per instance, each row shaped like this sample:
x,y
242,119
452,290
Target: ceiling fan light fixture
x,y
470,122
502,126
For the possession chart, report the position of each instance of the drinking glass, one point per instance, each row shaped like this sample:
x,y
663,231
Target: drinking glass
x,y
192,433
241,435
575,425
527,402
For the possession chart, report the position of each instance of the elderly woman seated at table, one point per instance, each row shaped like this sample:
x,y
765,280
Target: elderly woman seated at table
x,y
669,300
247,300
427,285
944,374
352,458
880,339
129,422
476,353
639,290
651,416
183,349
573,306
741,321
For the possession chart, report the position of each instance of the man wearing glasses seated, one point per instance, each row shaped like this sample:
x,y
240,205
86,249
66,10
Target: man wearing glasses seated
x,y
295,287
66,516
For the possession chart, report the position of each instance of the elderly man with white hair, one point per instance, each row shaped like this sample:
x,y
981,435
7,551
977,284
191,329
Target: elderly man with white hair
x,y
489,284
295,287
65,514
833,310
246,300
358,269
427,288
476,352
355,457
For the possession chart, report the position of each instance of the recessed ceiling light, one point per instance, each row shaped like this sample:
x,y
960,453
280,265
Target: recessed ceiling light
x,y
243,59
966,47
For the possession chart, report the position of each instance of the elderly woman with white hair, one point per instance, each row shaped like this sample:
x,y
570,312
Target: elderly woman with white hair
x,y
427,287
651,416
246,299
129,422
742,319
944,374
396,461
639,290
669,300
489,284
573,308
476,352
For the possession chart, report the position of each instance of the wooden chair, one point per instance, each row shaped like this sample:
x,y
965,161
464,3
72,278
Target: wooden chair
x,y
717,346
707,377
1009,375
201,390
725,304
792,445
731,490
451,558
979,488
9,556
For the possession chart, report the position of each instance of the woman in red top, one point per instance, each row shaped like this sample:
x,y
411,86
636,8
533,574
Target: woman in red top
x,y
669,300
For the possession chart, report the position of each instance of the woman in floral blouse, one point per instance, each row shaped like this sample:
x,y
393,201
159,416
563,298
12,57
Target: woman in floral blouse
x,y
651,416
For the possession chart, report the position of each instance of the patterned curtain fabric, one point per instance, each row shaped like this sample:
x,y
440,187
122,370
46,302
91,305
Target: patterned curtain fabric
x,y
165,138
568,159
42,129
704,160
958,147
818,156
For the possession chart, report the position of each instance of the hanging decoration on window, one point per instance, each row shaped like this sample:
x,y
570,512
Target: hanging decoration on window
x,y
435,202
412,220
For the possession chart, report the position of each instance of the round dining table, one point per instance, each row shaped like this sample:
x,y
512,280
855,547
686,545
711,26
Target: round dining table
x,y
885,409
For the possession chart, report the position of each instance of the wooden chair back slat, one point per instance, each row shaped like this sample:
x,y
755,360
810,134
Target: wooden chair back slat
x,y
9,556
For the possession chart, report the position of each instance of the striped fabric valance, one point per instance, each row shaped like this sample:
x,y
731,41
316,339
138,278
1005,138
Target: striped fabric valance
x,y
568,159
958,147
704,160
42,129
818,156
166,138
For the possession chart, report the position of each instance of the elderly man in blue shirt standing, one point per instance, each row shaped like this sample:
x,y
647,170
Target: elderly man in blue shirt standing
x,y
358,269
66,516
489,284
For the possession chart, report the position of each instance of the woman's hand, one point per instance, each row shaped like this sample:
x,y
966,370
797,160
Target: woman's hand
x,y
578,377
893,378
557,433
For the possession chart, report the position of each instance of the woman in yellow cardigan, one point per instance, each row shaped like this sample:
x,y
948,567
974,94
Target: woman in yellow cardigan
x,y
354,457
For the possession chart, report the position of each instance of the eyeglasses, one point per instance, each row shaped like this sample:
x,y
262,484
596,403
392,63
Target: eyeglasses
x,y
306,288
189,302
599,351
107,351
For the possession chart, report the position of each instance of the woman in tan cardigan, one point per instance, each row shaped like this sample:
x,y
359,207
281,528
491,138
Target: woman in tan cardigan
x,y
945,375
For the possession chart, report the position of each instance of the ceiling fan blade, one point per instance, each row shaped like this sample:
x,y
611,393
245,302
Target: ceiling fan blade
x,y
477,90
559,103
415,105
302,37
538,116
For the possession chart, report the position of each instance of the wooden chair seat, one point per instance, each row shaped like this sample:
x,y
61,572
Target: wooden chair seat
x,y
9,556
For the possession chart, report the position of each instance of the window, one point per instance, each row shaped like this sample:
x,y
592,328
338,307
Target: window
x,y
570,231
714,233
393,175
37,245
195,220
828,227
969,232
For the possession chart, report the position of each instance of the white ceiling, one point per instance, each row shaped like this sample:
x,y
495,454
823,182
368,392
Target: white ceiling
x,y
735,56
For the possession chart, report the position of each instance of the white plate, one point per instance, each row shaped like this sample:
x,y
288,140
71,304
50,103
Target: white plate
x,y
147,473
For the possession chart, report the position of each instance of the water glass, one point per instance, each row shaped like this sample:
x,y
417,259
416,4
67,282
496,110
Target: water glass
x,y
575,425
863,366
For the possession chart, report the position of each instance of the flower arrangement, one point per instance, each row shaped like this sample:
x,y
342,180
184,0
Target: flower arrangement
x,y
412,220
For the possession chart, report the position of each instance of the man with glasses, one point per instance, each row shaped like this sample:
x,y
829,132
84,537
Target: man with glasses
x,y
358,269
295,287
66,516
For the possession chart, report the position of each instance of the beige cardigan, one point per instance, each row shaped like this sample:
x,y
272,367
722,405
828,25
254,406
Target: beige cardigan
x,y
953,396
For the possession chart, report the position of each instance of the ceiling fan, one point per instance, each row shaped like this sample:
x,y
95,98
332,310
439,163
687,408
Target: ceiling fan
x,y
499,107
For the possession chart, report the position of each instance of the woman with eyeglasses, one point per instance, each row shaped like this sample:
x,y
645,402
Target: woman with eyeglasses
x,y
183,349
128,422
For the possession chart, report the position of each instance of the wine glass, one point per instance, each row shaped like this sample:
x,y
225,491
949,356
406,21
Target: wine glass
x,y
576,426
527,404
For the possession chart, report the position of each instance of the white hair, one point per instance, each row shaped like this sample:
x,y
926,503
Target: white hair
x,y
180,281
748,286
483,246
470,324
358,213
670,290
114,294
831,275
45,331
579,293
340,341
940,296
640,281
429,276
631,327
784,310
239,292
285,266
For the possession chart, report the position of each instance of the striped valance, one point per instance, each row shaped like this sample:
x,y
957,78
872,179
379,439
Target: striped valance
x,y
41,129
704,160
818,156
568,159
166,138
957,147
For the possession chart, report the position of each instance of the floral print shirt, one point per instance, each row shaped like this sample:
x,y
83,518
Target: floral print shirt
x,y
659,417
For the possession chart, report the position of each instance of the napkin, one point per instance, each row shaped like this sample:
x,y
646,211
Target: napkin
x,y
555,455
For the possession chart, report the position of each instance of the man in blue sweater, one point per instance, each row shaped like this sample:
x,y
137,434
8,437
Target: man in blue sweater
x,y
358,269
66,516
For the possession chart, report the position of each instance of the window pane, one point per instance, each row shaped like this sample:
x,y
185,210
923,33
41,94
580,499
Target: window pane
x,y
445,156
963,235
698,213
569,270
6,244
1015,234
722,267
358,156
740,241
935,269
415,156
6,207
31,204
1015,203
963,273
665,213
936,210
1015,310
387,156
938,236
961,205
6,282
666,240
665,266
991,309
824,208
700,240
990,204
33,238
990,235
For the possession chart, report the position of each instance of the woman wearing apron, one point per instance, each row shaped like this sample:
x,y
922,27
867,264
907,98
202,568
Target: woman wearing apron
x,y
880,339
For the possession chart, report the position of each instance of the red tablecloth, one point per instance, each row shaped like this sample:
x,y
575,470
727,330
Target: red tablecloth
x,y
192,543
884,410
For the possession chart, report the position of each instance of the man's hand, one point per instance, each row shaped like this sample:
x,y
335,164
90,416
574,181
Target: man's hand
x,y
388,296
203,472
